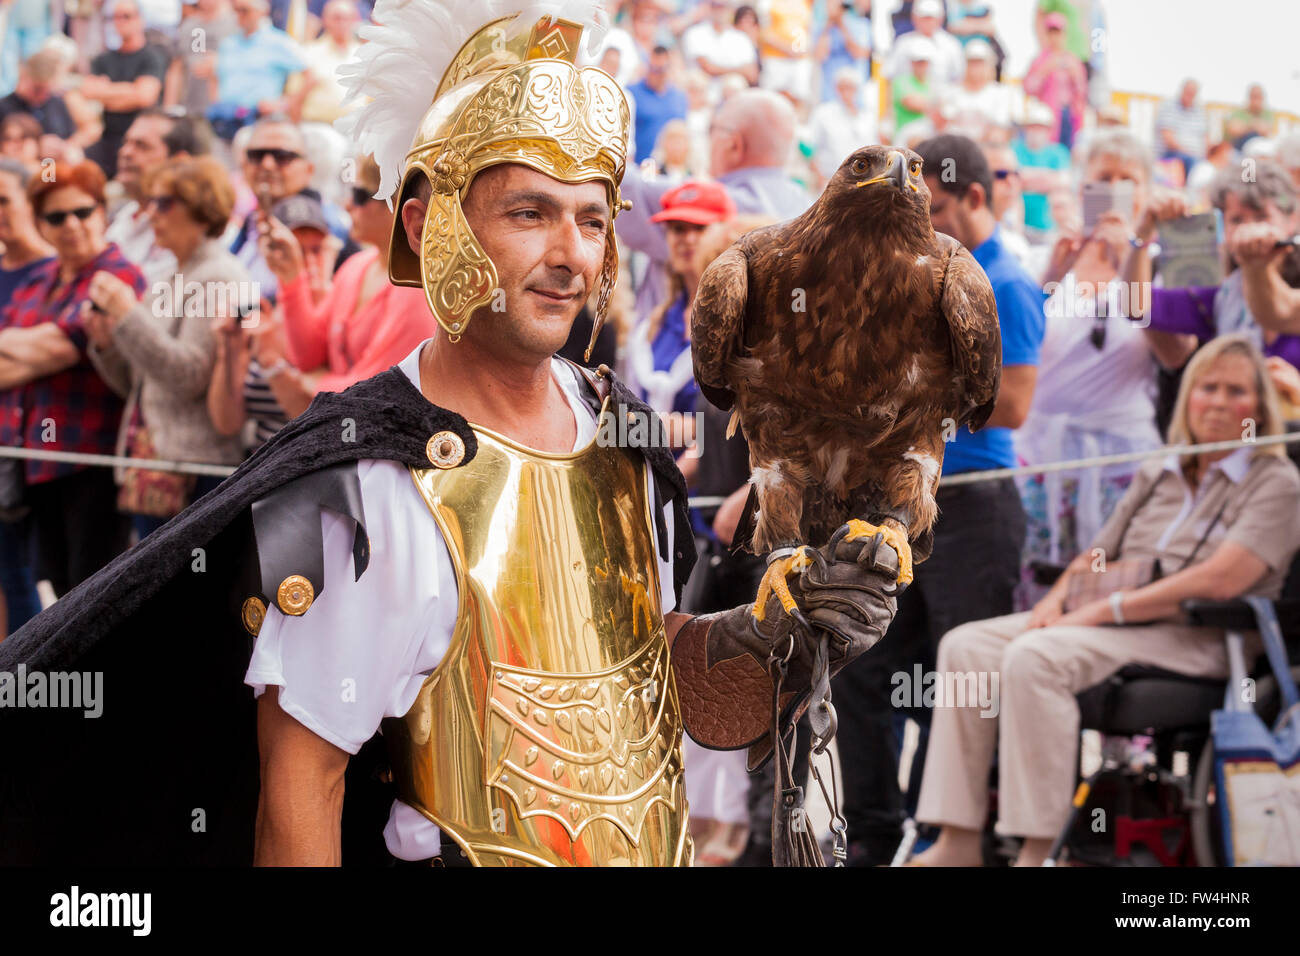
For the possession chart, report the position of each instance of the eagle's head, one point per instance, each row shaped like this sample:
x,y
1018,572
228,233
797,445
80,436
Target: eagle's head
x,y
881,182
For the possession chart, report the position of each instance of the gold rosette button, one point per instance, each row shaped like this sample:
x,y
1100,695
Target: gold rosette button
x,y
253,613
295,595
446,449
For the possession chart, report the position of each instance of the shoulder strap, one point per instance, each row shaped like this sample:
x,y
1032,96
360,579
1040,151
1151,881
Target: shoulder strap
x,y
287,528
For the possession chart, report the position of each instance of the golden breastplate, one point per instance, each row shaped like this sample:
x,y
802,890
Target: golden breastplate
x,y
550,734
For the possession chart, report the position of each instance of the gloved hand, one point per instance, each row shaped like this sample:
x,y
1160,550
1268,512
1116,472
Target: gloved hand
x,y
848,598
849,595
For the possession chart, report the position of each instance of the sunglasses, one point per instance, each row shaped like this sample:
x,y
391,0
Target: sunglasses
x,y
163,204
361,196
281,156
57,219
1005,173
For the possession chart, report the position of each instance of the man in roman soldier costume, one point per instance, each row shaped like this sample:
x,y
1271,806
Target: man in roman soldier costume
x,y
453,601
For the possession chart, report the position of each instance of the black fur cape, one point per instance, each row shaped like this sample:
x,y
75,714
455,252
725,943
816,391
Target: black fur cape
x,y
168,774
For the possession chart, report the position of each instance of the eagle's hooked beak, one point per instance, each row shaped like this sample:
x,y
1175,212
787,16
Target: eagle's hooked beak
x,y
897,173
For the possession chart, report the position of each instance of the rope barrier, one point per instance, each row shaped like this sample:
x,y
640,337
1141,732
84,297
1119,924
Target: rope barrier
x,y
707,501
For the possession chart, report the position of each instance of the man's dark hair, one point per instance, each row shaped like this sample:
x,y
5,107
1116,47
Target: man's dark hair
x,y
183,134
956,163
660,50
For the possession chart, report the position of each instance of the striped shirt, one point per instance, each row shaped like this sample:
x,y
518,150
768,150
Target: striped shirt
x,y
260,405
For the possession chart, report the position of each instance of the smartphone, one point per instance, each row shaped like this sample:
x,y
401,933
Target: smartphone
x,y
1189,250
1101,198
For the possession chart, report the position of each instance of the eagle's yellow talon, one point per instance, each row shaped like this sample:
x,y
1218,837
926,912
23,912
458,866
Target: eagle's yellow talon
x,y
774,582
893,537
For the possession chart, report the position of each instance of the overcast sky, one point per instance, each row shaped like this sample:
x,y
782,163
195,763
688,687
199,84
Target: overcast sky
x,y
1154,44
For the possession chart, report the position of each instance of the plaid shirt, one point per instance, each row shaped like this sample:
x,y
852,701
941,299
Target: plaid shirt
x,y
83,413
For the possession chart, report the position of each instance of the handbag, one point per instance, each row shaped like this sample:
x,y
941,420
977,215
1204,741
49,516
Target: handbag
x,y
144,491
1125,574
1257,768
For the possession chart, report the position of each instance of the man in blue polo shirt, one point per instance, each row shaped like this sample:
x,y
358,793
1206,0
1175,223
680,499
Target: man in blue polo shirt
x,y
978,539
253,65
657,102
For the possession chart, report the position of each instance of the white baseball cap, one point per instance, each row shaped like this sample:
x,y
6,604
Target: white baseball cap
x,y
978,49
927,8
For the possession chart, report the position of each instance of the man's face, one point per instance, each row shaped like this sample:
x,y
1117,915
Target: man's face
x,y
726,148
142,151
126,21
547,240
979,71
338,20
927,26
948,214
719,14
1255,99
33,91
1006,179
921,69
274,161
248,14
848,92
1188,93
657,71
14,208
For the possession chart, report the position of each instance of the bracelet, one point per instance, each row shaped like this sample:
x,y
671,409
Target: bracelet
x,y
282,365
1117,606
1137,243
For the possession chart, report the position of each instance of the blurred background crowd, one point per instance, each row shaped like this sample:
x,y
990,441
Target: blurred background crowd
x,y
192,252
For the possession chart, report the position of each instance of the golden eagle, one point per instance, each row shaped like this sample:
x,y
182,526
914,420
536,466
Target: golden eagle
x,y
851,341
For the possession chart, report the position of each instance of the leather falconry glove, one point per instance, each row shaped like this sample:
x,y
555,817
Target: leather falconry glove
x,y
848,596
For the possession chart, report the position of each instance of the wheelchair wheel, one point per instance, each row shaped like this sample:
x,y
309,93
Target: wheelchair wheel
x,y
1204,817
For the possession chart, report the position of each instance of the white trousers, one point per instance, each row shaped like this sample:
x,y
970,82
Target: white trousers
x,y
1035,723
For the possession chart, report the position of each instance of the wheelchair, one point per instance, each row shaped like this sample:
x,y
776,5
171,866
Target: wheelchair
x,y
1152,800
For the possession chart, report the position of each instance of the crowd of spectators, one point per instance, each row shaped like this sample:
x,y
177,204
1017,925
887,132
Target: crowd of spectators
x,y
153,151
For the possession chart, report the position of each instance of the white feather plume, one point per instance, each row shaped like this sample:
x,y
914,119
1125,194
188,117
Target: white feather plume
x,y
409,46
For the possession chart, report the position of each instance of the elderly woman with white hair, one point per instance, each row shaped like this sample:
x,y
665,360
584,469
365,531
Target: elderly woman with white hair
x,y
1214,525
1096,378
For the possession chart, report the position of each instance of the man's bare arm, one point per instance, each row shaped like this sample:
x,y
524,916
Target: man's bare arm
x,y
300,808
1015,395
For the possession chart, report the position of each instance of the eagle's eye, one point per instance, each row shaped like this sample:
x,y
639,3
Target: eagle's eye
x,y
859,166
916,167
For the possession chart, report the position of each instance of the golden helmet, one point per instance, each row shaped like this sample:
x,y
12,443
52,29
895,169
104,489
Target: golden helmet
x,y
512,92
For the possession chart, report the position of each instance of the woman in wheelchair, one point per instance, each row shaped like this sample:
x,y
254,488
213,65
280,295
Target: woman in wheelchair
x,y
1217,525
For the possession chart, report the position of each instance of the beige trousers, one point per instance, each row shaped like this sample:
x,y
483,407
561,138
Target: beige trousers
x,y
1034,676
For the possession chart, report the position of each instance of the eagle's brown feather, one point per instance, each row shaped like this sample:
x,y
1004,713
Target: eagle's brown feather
x,y
850,339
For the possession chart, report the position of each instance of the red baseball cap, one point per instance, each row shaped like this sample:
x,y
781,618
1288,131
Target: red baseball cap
x,y
695,201
1054,21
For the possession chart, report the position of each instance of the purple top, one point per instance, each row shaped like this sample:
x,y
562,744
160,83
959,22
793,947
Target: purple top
x,y
1191,311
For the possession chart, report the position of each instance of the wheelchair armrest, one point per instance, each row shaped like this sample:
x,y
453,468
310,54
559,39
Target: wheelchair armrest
x,y
1045,572
1236,615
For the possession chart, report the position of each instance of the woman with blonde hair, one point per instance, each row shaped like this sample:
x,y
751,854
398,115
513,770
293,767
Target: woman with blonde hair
x,y
1214,525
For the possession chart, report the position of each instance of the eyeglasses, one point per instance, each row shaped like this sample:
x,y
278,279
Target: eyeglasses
x,y
361,196
1005,173
57,219
282,157
163,204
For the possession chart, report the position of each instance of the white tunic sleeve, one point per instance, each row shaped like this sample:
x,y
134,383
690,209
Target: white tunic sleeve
x,y
364,648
